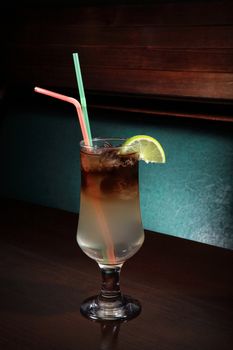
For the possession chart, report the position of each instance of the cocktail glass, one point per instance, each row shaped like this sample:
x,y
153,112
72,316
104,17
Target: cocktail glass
x,y
110,229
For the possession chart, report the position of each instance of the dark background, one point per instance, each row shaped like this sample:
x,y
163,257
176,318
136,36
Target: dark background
x,y
163,68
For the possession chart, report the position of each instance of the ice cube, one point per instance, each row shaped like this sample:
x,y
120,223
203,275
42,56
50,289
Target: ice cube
x,y
107,144
109,159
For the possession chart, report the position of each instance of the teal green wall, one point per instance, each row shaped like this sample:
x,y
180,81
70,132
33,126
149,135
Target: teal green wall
x,y
190,196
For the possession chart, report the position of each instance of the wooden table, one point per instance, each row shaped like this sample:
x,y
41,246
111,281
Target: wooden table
x,y
185,288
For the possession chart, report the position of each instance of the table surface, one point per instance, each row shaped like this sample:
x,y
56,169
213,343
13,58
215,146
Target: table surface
x,y
185,289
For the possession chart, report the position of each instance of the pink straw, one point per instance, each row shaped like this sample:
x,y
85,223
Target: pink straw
x,y
75,103
106,235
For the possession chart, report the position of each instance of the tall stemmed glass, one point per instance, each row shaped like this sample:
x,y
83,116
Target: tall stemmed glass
x,y
110,229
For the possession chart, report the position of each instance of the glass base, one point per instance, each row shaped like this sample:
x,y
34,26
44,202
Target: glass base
x,y
96,309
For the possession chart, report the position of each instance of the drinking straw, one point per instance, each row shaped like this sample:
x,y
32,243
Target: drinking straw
x,y
111,259
77,105
82,93
110,254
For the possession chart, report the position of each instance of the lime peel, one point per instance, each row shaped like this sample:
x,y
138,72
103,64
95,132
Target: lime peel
x,y
149,149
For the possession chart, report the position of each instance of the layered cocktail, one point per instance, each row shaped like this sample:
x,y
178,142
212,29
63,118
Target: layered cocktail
x,y
110,229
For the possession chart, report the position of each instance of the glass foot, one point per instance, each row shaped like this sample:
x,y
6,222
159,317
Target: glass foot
x,y
97,309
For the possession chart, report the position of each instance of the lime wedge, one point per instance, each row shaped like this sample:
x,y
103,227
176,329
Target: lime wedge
x,y
149,149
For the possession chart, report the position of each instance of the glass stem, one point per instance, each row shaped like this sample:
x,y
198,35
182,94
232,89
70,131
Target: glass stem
x,y
110,288
109,334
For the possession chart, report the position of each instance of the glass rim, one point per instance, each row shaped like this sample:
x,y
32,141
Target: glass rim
x,y
102,139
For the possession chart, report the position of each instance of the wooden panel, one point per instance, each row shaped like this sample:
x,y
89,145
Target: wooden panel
x,y
181,49
167,13
141,58
179,13
193,84
127,36
158,82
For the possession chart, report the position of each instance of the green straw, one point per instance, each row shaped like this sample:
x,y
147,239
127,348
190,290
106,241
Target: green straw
x,y
82,95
